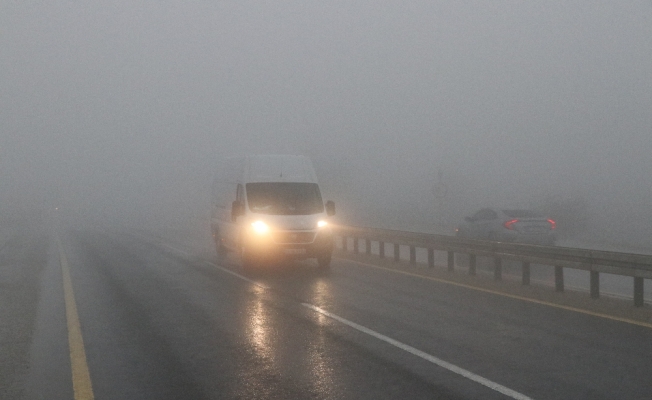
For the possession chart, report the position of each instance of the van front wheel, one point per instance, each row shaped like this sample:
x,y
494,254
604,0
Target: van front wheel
x,y
220,249
324,261
247,260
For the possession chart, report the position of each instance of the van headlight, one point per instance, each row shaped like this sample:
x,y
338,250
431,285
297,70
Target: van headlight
x,y
322,224
260,227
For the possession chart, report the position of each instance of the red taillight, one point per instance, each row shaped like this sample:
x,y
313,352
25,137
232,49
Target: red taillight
x,y
552,222
509,224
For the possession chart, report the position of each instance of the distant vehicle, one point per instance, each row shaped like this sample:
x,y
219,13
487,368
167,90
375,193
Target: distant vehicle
x,y
269,207
524,226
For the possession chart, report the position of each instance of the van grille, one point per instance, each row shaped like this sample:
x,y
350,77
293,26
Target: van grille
x,y
293,237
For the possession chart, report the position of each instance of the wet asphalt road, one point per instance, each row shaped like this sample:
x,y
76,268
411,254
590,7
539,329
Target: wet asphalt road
x,y
164,322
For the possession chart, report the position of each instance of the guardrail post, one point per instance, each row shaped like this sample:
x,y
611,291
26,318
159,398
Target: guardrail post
x,y
355,245
526,273
397,255
451,261
498,268
472,264
638,292
368,246
413,255
381,249
431,258
345,243
559,278
595,284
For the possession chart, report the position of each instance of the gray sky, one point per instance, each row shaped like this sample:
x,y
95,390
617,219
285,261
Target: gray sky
x,y
128,103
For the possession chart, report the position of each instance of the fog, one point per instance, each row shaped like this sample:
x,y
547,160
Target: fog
x,y
415,113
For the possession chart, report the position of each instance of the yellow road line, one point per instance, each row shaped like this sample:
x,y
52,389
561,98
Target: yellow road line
x,y
81,379
513,296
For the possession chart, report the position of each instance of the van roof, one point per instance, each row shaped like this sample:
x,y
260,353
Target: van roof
x,y
279,168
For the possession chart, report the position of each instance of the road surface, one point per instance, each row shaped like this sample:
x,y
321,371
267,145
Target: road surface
x,y
162,320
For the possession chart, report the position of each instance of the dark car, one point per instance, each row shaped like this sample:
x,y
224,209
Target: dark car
x,y
524,226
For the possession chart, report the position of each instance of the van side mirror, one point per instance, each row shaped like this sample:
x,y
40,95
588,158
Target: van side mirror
x,y
237,210
330,208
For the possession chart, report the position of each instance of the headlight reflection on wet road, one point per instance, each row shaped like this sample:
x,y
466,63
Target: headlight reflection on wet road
x,y
320,362
259,325
275,339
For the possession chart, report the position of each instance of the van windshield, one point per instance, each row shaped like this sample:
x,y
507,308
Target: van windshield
x,y
284,198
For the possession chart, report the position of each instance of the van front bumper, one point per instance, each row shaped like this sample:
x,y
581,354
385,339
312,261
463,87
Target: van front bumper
x,y
277,245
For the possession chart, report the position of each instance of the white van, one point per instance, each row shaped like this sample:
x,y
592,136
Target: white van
x,y
269,207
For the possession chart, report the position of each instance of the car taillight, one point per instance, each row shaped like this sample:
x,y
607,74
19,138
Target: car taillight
x,y
552,222
510,224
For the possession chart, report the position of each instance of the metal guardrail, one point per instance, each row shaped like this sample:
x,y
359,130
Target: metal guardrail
x,y
637,266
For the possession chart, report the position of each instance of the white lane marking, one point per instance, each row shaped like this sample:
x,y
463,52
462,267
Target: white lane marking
x,y
228,271
244,278
444,364
185,253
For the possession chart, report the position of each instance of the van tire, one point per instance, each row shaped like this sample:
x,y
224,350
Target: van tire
x,y
324,261
248,262
220,249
